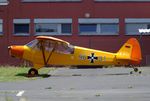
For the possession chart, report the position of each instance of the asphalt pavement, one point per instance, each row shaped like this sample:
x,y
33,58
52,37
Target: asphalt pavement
x,y
64,84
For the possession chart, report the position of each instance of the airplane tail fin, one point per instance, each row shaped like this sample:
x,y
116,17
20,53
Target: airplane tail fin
x,y
130,51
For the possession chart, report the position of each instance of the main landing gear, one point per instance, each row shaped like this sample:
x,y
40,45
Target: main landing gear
x,y
136,70
32,72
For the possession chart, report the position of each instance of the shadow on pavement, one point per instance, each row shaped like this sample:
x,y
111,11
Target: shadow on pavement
x,y
29,76
118,74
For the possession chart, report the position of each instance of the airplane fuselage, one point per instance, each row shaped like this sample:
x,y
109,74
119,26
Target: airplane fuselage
x,y
80,57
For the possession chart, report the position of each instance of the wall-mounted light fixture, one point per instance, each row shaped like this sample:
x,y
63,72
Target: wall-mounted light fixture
x,y
87,15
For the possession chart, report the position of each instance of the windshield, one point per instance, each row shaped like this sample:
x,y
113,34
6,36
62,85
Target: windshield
x,y
32,43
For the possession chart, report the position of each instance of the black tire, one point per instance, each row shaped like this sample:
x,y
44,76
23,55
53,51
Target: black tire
x,y
135,69
131,72
140,72
33,72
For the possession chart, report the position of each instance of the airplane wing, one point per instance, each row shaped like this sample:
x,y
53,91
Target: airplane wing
x,y
52,39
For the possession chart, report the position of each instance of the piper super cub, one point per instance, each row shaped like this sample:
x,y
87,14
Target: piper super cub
x,y
45,50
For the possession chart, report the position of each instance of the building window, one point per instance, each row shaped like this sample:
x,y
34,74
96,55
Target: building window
x,y
133,26
98,26
1,26
4,2
66,28
122,0
21,27
87,28
51,0
53,26
109,28
46,28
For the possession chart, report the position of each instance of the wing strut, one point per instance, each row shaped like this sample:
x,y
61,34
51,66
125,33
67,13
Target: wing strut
x,y
42,47
51,53
43,53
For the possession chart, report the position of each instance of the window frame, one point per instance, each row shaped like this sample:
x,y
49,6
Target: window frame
x,y
98,22
21,21
136,21
58,22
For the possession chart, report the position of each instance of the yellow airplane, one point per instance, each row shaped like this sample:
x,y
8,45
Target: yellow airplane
x,y
45,50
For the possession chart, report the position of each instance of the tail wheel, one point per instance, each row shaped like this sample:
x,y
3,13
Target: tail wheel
x,y
140,72
33,72
131,72
136,70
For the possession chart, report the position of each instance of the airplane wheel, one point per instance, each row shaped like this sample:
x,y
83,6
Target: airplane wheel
x,y
135,69
32,72
140,72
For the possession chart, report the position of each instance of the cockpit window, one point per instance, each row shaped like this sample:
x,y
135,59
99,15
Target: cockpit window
x,y
35,44
48,46
32,43
64,48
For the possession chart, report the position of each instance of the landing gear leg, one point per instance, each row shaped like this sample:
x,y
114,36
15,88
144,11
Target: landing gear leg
x,y
32,72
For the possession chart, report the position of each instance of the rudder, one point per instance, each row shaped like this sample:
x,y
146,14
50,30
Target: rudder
x,y
136,55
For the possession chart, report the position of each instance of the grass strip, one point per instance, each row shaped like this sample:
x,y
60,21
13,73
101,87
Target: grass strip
x,y
8,74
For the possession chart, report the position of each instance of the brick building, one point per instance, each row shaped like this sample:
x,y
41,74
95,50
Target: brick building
x,y
98,24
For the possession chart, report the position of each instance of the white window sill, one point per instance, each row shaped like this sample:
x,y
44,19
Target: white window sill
x,y
145,34
98,34
21,34
38,34
3,3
